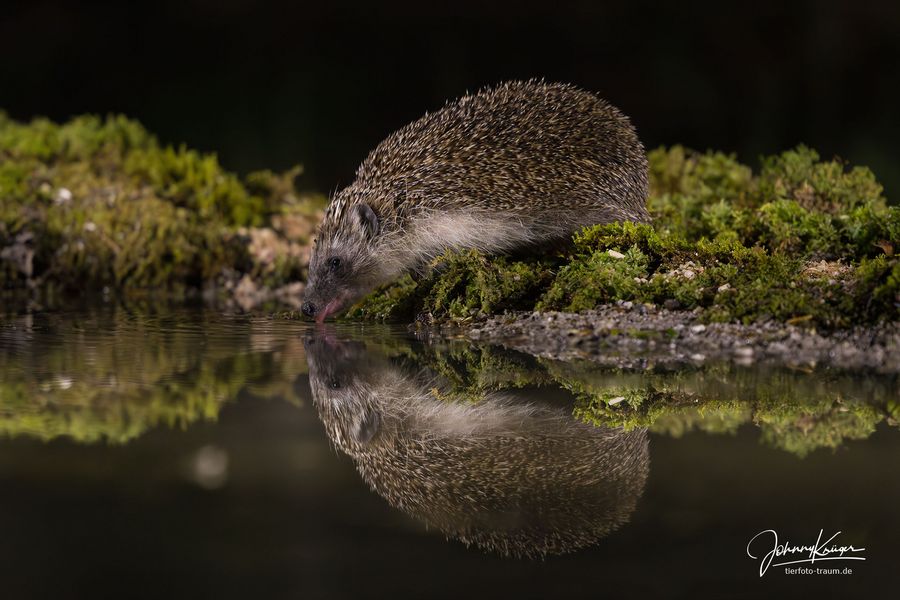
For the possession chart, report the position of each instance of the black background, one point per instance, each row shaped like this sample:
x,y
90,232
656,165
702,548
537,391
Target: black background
x,y
273,84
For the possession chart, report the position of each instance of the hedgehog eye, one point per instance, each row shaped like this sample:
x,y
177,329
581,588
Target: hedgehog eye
x,y
334,384
334,264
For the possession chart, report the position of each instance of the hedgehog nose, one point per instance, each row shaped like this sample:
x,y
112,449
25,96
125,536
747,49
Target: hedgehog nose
x,y
308,309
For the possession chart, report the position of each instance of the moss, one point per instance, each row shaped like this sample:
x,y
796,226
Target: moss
x,y
390,303
468,372
185,178
685,184
791,412
828,422
798,425
597,279
737,246
725,278
470,284
786,227
460,287
99,203
825,186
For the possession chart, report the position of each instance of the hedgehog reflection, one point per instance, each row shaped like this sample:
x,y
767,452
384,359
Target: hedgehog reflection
x,y
505,474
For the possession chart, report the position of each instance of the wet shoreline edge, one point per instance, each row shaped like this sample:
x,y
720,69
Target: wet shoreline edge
x,y
628,335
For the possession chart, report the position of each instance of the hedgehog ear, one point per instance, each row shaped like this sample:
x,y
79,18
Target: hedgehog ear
x,y
367,427
367,219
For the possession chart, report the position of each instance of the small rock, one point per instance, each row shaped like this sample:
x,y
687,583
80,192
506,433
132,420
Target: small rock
x,y
724,287
777,349
698,328
20,253
616,400
248,294
615,254
698,357
62,196
744,352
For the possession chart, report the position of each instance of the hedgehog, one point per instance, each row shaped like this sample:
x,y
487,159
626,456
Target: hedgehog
x,y
505,473
513,168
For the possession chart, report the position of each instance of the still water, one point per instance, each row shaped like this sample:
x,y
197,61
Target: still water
x,y
170,453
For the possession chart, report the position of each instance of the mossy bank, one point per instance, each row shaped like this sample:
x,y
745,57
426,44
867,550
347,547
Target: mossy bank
x,y
99,205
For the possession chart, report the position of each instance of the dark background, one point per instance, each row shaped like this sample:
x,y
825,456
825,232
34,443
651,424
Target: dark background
x,y
273,84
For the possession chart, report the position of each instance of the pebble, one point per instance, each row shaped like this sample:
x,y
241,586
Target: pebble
x,y
671,304
63,196
777,348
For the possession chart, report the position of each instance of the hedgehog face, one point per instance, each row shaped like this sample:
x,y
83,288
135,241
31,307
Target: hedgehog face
x,y
342,267
343,390
347,407
332,283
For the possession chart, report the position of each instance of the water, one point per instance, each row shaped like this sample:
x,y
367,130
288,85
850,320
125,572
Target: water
x,y
160,453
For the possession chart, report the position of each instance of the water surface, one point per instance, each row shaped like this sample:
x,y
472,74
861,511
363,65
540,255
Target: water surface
x,y
186,452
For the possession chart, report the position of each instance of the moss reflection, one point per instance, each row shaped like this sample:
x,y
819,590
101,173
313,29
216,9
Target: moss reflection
x,y
111,376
